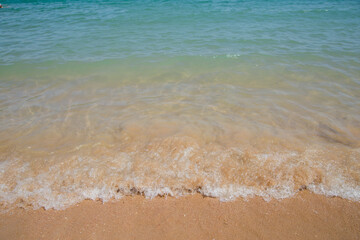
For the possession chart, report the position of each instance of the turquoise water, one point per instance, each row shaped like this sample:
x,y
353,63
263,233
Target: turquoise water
x,y
87,31
101,99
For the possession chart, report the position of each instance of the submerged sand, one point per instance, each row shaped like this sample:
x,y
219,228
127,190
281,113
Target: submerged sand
x,y
305,216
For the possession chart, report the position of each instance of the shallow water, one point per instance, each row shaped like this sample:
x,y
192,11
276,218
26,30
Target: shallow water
x,y
104,99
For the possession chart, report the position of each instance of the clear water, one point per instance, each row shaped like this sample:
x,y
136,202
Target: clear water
x,y
101,99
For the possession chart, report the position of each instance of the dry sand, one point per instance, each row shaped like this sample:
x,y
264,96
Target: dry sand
x,y
306,216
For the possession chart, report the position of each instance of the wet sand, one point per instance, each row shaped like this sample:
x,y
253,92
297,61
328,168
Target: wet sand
x,y
306,216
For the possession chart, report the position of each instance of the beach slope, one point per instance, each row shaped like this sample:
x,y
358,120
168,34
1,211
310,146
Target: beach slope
x,y
306,216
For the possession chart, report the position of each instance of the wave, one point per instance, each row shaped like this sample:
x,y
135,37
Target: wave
x,y
175,166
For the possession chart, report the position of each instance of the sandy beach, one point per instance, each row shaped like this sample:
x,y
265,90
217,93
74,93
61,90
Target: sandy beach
x,y
306,216
180,120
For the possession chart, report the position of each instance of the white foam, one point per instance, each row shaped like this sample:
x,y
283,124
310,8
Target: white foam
x,y
176,173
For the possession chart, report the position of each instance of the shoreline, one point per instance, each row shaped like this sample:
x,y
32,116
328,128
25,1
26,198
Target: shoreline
x,y
305,216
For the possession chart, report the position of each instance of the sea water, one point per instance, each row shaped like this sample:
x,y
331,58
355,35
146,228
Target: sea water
x,y
102,99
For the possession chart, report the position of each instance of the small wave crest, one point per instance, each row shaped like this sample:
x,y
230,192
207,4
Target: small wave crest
x,y
174,166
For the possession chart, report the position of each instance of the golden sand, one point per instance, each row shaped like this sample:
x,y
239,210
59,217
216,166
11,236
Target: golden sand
x,y
306,216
